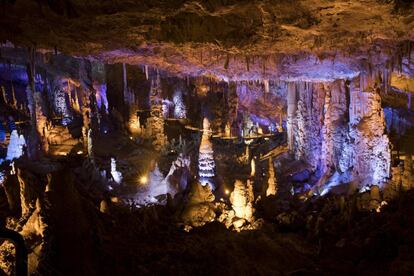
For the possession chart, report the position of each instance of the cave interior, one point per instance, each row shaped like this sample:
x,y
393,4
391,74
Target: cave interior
x,y
207,137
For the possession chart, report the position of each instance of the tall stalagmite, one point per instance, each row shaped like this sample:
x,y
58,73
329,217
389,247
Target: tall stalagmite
x,y
155,124
272,180
206,164
242,201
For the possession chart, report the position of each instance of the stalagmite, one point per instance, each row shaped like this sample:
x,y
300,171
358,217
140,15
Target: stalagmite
x,y
280,126
199,209
407,180
272,180
60,104
15,147
28,187
206,164
155,124
252,168
90,146
116,175
154,185
41,121
180,111
266,86
242,201
33,138
227,130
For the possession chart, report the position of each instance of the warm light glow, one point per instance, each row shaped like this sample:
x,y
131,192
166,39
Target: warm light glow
x,y
80,152
143,179
227,192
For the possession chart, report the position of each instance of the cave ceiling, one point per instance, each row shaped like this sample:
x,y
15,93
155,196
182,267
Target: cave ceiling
x,y
291,40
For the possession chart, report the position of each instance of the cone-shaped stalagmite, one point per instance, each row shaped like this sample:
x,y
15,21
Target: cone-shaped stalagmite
x,y
242,201
206,164
272,180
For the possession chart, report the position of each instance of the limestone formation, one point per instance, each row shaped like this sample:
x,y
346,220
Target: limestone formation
x,y
206,164
28,196
155,123
15,147
407,180
116,175
199,209
319,132
272,180
242,201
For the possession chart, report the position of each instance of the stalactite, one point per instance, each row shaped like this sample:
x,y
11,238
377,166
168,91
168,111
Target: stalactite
x,y
291,112
33,137
13,96
86,120
133,124
125,83
233,106
100,94
4,94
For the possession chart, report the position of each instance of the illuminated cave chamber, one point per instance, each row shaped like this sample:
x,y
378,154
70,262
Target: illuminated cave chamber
x,y
208,147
